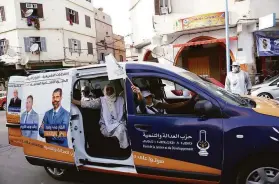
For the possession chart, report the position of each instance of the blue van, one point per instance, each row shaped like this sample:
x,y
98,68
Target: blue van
x,y
217,137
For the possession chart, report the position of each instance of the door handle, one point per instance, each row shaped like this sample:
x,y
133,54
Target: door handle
x,y
142,127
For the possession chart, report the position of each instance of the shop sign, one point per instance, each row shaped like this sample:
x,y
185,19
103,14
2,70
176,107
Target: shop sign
x,y
205,20
267,43
267,21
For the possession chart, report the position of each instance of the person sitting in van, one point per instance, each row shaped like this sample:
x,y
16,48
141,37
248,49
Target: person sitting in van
x,y
154,106
86,93
112,122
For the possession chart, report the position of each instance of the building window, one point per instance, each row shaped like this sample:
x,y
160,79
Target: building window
x,y
104,17
87,21
102,56
37,9
121,58
89,1
2,14
35,44
162,7
74,46
90,48
3,46
72,16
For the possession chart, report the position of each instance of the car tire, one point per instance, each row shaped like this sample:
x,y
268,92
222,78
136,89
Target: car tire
x,y
4,106
256,171
57,173
265,95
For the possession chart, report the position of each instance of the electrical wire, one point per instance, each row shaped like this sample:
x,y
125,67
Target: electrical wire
x,y
134,5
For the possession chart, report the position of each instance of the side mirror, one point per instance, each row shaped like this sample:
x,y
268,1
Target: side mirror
x,y
277,84
204,108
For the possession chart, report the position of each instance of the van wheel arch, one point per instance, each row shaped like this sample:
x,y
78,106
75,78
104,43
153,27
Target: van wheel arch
x,y
58,173
250,158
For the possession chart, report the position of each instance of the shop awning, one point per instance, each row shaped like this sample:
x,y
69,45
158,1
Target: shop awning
x,y
205,42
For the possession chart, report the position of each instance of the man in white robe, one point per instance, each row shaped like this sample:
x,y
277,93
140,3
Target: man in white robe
x,y
112,121
238,81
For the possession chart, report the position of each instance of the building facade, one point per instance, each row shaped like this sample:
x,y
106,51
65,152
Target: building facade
x,y
104,34
191,34
47,34
119,48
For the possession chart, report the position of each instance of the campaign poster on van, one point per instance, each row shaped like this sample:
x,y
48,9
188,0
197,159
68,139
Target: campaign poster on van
x,y
45,115
14,97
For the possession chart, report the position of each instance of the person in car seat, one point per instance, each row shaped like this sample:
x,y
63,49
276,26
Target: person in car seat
x,y
154,106
86,93
112,122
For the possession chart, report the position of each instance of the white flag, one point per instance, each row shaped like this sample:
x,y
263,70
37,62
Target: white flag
x,y
114,69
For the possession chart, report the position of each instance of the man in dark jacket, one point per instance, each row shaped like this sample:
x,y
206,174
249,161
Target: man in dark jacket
x,y
15,102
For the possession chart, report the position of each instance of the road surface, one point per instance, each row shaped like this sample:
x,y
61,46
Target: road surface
x,y
14,169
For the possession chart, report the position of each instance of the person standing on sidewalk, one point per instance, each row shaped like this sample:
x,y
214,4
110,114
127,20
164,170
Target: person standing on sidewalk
x,y
238,81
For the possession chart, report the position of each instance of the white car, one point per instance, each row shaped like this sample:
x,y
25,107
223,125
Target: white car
x,y
268,89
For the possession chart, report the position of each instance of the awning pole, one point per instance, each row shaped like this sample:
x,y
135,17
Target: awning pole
x,y
227,37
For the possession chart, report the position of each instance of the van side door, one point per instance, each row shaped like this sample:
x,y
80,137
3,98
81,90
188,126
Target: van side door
x,y
176,145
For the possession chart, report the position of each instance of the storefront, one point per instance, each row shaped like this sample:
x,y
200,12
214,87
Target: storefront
x,y
204,53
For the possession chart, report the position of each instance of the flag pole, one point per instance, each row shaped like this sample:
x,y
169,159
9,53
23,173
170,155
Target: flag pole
x,y
227,37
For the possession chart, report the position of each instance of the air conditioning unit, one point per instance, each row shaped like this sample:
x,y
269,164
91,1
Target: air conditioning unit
x,y
31,6
164,10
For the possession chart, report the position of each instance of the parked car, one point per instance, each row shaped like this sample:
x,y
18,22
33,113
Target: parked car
x,y
213,81
268,89
3,100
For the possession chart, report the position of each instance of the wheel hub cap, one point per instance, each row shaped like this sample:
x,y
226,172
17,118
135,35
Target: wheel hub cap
x,y
263,175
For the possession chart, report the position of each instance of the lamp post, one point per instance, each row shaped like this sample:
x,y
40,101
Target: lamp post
x,y
227,37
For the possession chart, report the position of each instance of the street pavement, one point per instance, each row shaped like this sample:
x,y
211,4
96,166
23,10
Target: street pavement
x,y
14,169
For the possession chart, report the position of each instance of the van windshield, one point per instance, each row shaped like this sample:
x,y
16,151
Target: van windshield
x,y
217,91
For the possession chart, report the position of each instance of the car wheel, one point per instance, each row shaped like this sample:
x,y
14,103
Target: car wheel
x,y
57,173
265,171
4,106
266,95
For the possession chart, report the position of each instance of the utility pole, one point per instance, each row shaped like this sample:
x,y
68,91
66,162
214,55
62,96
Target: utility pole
x,y
227,37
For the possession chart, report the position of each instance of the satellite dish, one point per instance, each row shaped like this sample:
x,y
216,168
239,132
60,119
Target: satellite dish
x,y
28,13
11,52
34,47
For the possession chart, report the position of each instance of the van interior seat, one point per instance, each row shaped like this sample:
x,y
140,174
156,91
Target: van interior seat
x,y
99,145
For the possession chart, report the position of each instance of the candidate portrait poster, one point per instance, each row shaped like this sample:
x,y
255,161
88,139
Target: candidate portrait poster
x,y
45,110
267,43
14,97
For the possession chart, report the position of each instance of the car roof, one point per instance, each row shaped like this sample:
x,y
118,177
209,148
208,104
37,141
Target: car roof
x,y
135,65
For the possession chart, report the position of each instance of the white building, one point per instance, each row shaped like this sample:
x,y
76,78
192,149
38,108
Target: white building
x,y
191,34
104,34
65,37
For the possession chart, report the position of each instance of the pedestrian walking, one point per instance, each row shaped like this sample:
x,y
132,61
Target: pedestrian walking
x,y
238,81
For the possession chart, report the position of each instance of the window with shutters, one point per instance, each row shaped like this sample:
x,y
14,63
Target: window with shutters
x,y
87,21
72,16
37,9
74,46
3,46
162,7
30,41
2,14
90,48
102,57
